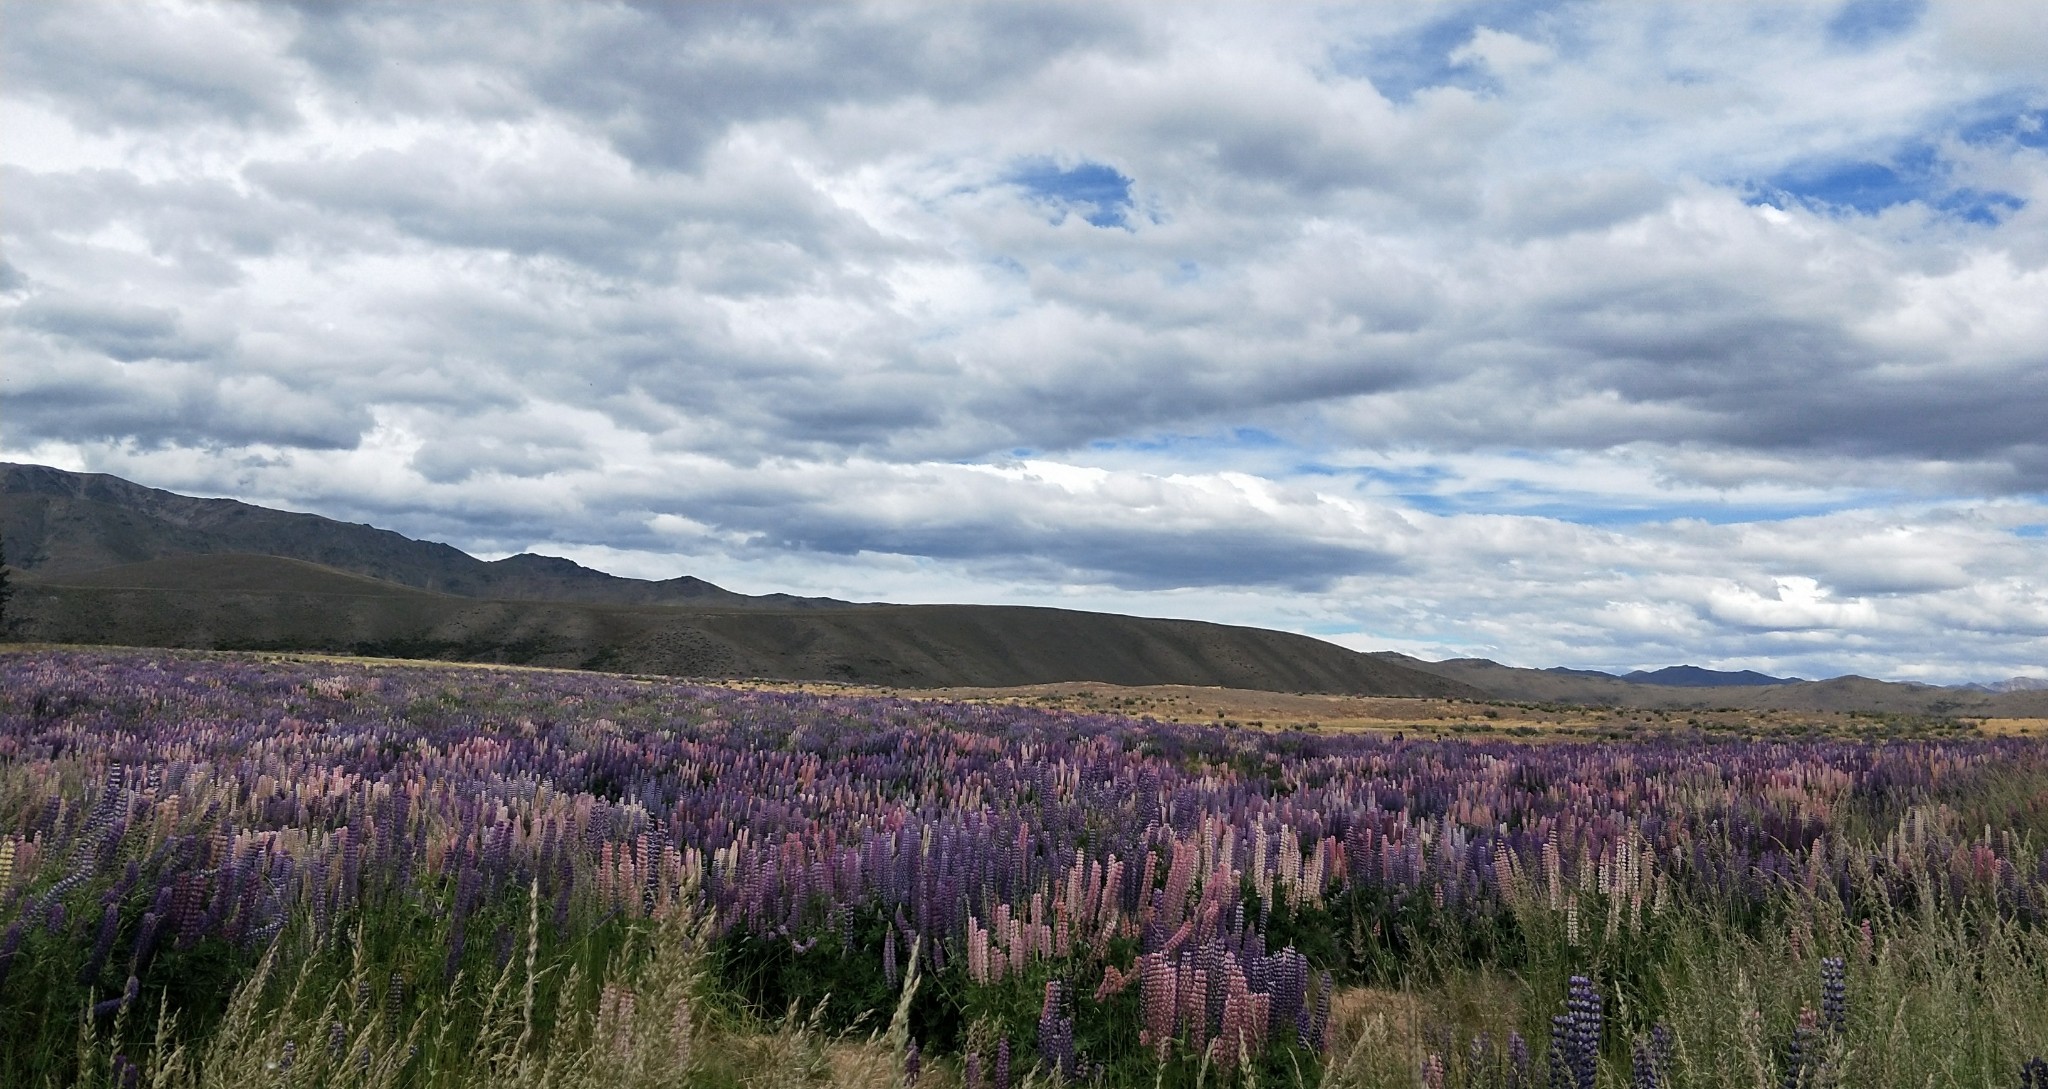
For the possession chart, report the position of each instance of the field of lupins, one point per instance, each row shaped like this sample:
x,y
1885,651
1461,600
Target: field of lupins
x,y
224,871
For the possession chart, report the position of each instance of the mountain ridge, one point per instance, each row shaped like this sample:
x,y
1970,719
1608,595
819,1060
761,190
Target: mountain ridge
x,y
68,522
1685,676
113,562
1846,693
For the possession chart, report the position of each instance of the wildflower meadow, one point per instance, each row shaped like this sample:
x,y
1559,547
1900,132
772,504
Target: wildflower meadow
x,y
226,871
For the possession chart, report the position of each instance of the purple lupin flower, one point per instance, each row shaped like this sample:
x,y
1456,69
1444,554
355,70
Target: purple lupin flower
x,y
114,1005
1834,995
889,957
1319,1025
1584,1008
1560,1062
10,948
1799,1050
1003,1063
913,1064
970,1074
1056,1033
1518,1062
110,925
1643,1068
457,935
394,1001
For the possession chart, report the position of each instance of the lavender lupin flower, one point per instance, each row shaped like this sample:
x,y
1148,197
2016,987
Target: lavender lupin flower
x,y
1003,1063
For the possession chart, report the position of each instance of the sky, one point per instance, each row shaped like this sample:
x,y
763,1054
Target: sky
x,y
1563,334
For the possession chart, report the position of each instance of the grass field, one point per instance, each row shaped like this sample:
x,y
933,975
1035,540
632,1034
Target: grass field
x,y
239,870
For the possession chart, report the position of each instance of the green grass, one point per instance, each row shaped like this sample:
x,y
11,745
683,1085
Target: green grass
x,y
1943,995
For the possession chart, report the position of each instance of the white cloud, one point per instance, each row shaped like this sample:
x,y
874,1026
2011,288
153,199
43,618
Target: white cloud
x,y
1504,53
1417,329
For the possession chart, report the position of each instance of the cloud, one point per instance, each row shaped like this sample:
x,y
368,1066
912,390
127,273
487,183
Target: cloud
x,y
1571,333
171,65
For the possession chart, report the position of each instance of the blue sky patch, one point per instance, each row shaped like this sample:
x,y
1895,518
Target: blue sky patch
x,y
1861,24
1916,172
2036,531
1415,61
2027,127
1099,192
1401,65
1236,438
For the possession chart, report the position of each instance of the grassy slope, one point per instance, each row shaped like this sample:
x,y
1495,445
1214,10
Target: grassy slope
x,y
262,602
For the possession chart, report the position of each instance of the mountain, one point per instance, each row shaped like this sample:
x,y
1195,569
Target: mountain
x,y
103,560
2014,684
1683,676
1686,676
59,523
1591,688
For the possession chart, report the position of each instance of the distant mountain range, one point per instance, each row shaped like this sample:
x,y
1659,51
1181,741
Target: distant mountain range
x,y
2015,684
1686,676
104,560
1591,687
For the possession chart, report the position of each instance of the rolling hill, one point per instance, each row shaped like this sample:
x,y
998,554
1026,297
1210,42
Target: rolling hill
x,y
104,560
228,601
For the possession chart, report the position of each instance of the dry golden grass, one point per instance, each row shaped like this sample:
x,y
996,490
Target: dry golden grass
x,y
1254,709
1387,1017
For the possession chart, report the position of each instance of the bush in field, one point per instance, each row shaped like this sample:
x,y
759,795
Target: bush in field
x,y
341,874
